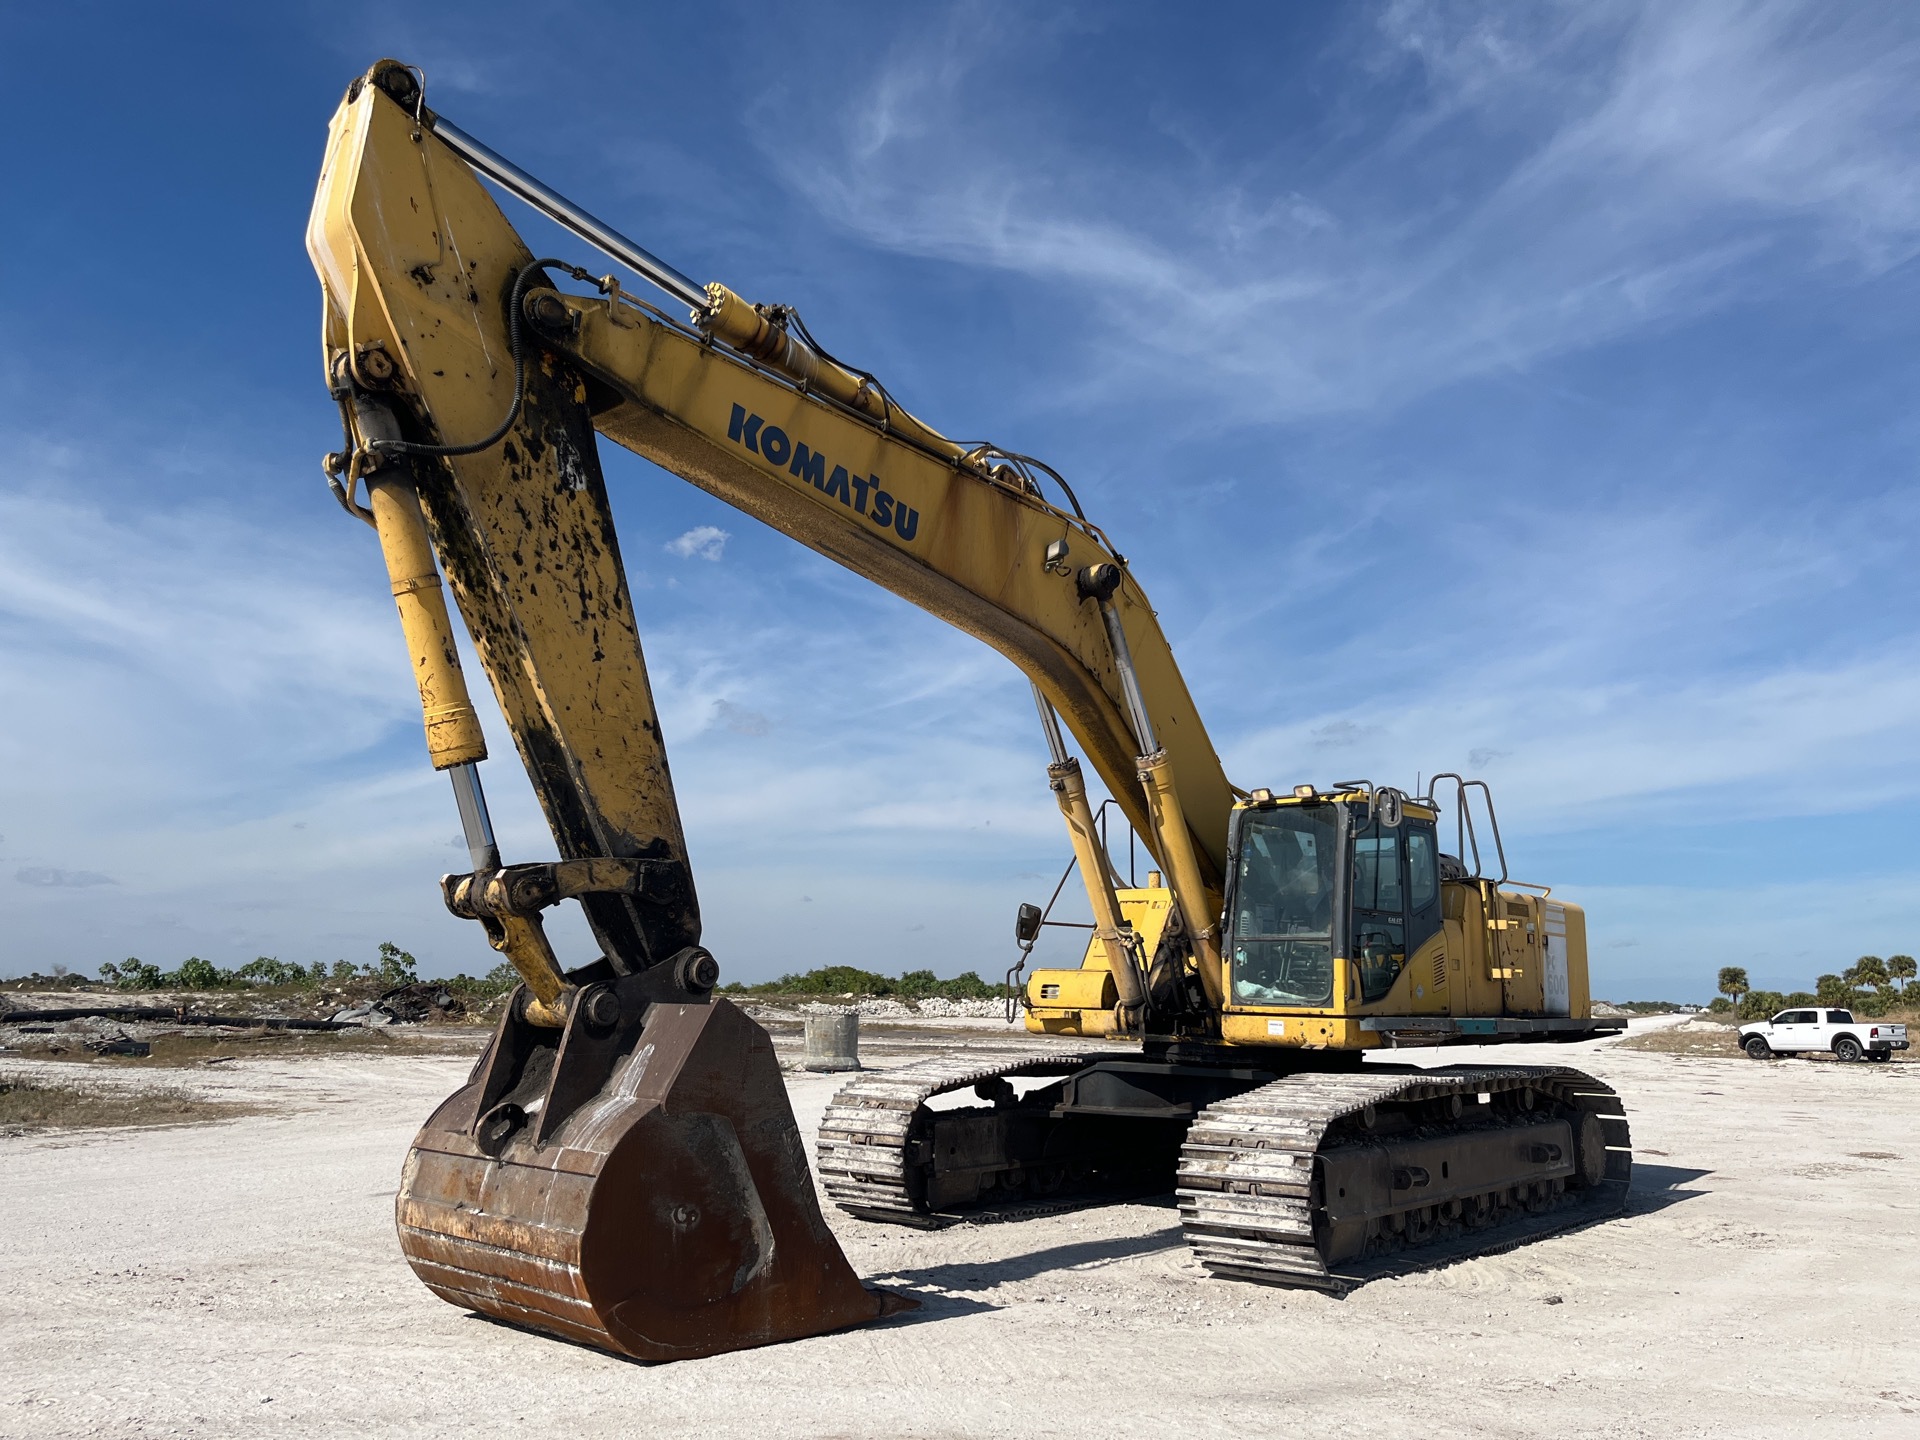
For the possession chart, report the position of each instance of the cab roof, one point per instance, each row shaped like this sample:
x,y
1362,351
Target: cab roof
x,y
1259,800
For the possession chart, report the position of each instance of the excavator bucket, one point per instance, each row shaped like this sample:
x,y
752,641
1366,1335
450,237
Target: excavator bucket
x,y
638,1185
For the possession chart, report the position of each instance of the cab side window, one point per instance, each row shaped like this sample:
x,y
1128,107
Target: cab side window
x,y
1423,885
1396,900
1379,908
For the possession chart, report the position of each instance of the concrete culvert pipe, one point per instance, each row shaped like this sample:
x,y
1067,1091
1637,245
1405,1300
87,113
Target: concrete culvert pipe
x,y
833,1041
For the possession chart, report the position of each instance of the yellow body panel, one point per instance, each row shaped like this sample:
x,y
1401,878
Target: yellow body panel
x,y
1071,1002
1080,1002
1300,1029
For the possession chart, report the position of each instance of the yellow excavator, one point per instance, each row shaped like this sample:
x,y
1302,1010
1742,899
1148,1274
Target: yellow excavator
x,y
623,1167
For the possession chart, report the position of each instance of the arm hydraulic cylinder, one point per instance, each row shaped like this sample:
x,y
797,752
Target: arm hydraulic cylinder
x,y
454,739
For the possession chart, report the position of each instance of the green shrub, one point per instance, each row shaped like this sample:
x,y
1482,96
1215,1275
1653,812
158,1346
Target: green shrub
x,y
396,966
846,980
133,974
1761,1005
497,981
266,970
968,986
1875,1002
393,968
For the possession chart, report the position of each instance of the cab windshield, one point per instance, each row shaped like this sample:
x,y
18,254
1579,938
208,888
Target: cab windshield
x,y
1282,912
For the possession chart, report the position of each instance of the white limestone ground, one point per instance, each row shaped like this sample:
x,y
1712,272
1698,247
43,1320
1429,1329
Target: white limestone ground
x,y
242,1279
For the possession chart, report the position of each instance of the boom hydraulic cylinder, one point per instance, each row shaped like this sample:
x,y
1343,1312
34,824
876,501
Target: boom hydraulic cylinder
x,y
1070,791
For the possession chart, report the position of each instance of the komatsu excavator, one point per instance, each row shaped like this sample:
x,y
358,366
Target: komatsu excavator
x,y
623,1167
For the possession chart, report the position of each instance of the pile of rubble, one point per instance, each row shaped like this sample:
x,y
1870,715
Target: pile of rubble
x,y
109,1026
931,1007
871,1009
404,1005
62,1034
964,1009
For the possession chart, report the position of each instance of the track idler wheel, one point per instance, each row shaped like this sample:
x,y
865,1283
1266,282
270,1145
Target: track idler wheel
x,y
638,1185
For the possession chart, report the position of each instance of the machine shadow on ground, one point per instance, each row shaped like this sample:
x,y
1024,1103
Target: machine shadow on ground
x,y
1655,1187
947,1289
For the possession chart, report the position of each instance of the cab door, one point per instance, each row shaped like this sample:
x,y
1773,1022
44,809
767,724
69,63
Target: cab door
x,y
1379,934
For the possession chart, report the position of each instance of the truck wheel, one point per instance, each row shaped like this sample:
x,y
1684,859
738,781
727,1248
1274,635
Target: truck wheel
x,y
1757,1048
1846,1048
1880,1056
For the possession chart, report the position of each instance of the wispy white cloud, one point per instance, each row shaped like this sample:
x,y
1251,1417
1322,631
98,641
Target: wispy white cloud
x,y
187,609
1608,171
703,542
1565,755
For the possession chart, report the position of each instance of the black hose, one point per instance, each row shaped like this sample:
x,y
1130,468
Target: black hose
x,y
516,332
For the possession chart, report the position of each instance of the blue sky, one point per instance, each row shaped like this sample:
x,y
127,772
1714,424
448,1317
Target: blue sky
x,y
1526,390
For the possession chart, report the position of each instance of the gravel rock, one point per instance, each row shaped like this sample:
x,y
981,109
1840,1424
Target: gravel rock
x,y
873,1009
971,1009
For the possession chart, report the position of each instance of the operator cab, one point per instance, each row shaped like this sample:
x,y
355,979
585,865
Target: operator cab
x,y
1316,876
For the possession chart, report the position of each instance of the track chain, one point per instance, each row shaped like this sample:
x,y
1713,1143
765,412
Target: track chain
x,y
1246,1179
862,1151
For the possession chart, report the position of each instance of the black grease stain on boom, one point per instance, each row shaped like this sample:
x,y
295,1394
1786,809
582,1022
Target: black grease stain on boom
x,y
488,570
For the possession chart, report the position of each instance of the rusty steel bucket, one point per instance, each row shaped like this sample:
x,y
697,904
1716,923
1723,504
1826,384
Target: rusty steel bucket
x,y
637,1184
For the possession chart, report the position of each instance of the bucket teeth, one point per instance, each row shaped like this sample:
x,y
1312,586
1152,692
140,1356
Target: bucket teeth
x,y
668,1216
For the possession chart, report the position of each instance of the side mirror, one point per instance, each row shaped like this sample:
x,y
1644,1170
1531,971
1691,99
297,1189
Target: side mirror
x,y
1387,806
1026,924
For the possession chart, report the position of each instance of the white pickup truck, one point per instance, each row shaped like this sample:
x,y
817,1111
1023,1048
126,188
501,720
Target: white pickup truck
x,y
1793,1031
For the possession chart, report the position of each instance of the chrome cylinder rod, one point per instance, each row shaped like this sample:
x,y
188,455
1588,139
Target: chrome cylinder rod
x,y
1050,722
556,207
474,819
1129,681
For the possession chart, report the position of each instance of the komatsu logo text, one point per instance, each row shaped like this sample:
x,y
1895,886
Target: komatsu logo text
x,y
861,494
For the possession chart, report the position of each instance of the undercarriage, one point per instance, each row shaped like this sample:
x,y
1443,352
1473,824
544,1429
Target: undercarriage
x,y
1321,1178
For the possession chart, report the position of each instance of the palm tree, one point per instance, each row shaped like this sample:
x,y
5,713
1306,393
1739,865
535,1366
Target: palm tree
x,y
1901,968
1733,984
1866,972
1832,990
